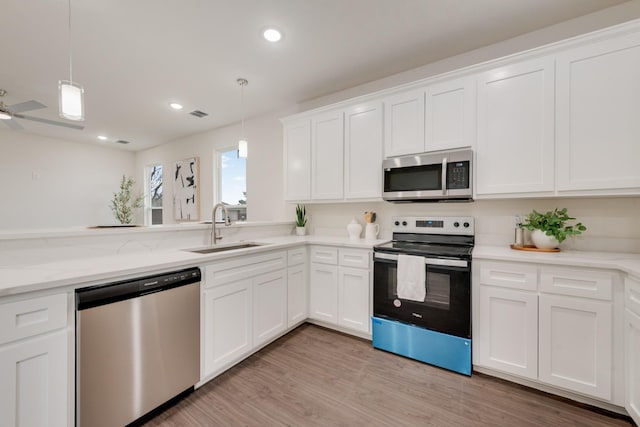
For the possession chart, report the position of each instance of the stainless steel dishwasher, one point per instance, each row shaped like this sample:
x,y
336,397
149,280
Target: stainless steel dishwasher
x,y
137,347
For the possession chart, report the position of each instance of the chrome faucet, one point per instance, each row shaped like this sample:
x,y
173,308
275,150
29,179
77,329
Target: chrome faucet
x,y
215,235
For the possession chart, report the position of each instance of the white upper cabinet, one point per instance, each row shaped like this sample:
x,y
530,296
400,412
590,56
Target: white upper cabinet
x,y
363,151
297,160
327,142
450,120
404,123
598,114
515,151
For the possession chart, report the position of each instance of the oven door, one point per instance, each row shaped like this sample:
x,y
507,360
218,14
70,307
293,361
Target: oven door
x,y
447,305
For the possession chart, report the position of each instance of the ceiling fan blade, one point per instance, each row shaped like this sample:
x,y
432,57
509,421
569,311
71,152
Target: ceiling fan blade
x,y
26,106
49,122
13,124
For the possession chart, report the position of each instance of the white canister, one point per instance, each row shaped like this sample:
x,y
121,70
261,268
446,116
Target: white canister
x,y
354,229
371,231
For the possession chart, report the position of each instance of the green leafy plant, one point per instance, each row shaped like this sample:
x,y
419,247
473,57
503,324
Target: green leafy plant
x,y
122,204
553,223
301,216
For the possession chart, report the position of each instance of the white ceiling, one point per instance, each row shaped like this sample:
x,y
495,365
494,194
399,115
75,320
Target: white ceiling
x,y
135,56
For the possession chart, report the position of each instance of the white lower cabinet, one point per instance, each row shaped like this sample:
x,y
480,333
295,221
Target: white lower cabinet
x,y
297,310
507,334
245,306
340,287
555,326
353,298
269,306
227,324
576,345
323,292
632,348
34,361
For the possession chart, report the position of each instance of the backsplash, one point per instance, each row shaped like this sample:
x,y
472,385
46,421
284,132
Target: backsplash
x,y
613,224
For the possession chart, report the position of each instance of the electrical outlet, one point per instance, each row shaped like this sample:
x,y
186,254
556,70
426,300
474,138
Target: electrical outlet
x,y
517,220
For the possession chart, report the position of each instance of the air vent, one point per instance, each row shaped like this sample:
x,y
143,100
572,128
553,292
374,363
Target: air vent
x,y
122,141
198,113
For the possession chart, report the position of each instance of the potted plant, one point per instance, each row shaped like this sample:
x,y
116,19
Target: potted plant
x,y
122,204
301,220
549,229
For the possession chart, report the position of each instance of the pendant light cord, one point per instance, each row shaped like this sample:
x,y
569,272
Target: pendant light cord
x,y
242,84
70,50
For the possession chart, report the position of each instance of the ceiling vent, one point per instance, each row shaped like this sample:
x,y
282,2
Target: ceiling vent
x,y
122,141
198,113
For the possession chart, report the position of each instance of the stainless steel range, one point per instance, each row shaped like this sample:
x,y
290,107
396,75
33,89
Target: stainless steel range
x,y
422,291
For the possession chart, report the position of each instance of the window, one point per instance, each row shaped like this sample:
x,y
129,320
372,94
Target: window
x,y
231,188
153,191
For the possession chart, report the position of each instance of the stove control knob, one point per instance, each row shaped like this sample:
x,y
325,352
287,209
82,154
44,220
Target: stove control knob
x,y
396,223
404,223
466,225
456,224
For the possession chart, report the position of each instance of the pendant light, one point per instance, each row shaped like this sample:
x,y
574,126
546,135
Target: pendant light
x,y
70,94
243,145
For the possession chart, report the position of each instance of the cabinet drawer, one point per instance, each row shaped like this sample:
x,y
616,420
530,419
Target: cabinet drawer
x,y
324,255
243,267
579,283
632,295
354,258
22,319
509,275
296,256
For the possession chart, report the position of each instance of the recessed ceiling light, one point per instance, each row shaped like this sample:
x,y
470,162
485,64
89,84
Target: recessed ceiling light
x,y
175,106
102,138
272,34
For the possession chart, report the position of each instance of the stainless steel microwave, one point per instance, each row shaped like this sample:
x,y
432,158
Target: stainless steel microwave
x,y
432,177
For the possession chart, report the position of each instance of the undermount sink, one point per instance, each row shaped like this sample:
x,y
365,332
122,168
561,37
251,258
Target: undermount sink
x,y
229,247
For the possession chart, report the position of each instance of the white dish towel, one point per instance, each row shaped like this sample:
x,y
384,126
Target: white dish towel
x,y
411,278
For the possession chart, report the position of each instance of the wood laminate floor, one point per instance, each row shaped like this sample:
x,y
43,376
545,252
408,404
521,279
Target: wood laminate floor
x,y
317,377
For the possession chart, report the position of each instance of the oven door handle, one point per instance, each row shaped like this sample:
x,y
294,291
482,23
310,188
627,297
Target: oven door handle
x,y
427,261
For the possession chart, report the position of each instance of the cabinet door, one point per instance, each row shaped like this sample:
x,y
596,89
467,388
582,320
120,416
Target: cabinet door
x,y
327,144
269,306
297,160
353,299
404,124
450,120
323,292
576,345
598,124
34,385
632,365
227,325
516,129
363,151
506,327
297,307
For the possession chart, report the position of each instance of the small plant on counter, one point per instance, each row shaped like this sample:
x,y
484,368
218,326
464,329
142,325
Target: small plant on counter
x,y
121,205
301,216
553,223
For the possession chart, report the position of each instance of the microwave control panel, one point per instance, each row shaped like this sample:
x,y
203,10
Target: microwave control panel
x,y
458,175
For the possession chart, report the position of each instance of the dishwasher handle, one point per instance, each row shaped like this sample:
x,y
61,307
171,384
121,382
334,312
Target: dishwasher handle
x,y
95,296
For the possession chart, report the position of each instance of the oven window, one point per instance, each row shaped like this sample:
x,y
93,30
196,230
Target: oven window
x,y
438,290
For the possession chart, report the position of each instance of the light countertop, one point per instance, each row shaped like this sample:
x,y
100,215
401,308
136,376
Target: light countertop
x,y
626,262
94,270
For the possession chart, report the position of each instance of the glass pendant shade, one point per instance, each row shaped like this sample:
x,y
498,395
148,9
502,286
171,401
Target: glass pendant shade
x,y
243,148
71,100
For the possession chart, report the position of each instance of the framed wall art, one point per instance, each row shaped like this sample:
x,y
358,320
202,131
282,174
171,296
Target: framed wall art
x,y
186,190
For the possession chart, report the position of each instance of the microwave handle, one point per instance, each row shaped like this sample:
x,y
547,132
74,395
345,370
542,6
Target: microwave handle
x,y
444,176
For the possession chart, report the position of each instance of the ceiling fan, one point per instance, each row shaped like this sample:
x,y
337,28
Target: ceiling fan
x,y
9,114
